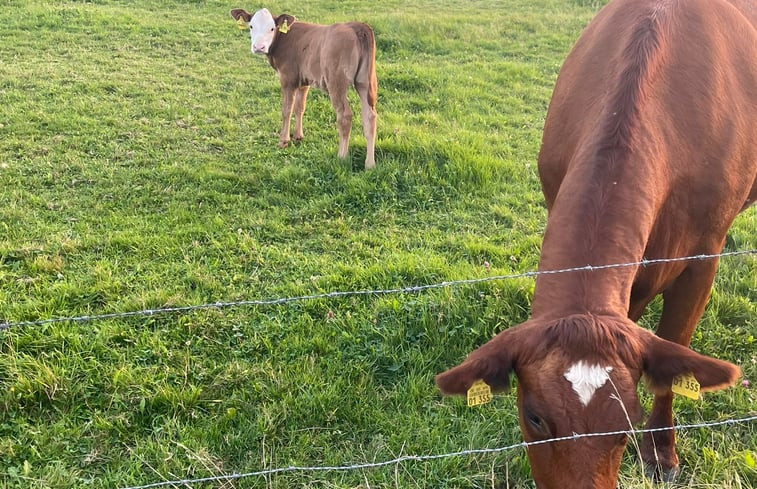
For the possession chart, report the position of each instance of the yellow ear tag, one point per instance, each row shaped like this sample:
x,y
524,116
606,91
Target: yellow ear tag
x,y
479,393
284,28
686,385
242,24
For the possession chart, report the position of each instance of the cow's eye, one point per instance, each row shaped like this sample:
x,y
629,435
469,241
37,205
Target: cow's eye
x,y
538,425
272,29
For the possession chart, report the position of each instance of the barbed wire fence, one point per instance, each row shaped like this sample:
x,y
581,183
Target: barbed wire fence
x,y
426,458
7,326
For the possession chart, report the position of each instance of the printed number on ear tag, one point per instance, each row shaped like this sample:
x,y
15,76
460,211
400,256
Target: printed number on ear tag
x,y
284,27
242,24
479,393
686,385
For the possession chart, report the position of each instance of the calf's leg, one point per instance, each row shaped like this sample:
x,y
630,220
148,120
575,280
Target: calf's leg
x,y
683,304
368,115
341,104
300,99
287,103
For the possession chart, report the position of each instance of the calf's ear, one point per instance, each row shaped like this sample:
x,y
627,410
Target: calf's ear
x,y
492,363
665,360
289,19
238,13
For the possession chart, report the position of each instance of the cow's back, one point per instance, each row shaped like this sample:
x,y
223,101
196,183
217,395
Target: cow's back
x,y
316,54
748,9
652,122
676,85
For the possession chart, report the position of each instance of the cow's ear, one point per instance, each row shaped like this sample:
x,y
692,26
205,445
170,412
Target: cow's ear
x,y
239,13
665,360
285,19
493,363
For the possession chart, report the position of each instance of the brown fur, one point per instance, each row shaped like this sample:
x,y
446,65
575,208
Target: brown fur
x,y
648,152
330,57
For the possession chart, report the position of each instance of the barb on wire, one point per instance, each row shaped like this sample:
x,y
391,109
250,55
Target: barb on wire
x,y
425,458
327,295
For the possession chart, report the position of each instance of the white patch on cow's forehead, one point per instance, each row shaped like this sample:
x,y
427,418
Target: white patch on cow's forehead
x,y
262,27
262,18
586,379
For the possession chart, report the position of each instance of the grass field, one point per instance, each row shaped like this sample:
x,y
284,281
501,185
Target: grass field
x,y
139,169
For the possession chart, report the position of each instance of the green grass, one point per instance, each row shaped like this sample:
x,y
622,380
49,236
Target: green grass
x,y
139,169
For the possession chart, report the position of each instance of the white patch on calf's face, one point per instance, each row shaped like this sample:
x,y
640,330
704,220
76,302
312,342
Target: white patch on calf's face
x,y
262,31
586,379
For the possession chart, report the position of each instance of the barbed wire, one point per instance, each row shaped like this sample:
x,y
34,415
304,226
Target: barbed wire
x,y
327,295
400,290
425,458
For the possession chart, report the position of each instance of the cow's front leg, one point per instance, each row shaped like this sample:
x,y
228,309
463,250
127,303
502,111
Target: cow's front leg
x,y
300,99
658,449
683,304
287,104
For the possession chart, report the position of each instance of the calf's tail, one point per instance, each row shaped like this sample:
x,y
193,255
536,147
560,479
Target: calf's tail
x,y
367,67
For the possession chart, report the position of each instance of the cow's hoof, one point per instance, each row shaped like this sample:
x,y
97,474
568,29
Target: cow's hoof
x,y
283,144
297,140
660,473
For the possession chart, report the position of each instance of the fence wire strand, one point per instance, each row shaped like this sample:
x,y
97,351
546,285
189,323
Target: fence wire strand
x,y
426,458
328,295
403,290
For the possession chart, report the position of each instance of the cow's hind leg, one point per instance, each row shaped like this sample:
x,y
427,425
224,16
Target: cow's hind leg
x,y
683,304
300,99
287,103
368,116
338,95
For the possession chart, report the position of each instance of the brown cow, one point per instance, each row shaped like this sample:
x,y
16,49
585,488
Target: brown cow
x,y
648,151
330,57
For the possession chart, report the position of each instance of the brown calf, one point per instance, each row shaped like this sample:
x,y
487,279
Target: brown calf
x,y
648,151
330,57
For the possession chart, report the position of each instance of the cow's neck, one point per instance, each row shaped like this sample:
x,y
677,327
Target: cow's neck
x,y
278,43
603,214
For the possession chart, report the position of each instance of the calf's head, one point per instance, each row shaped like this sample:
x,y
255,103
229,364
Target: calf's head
x,y
578,375
264,27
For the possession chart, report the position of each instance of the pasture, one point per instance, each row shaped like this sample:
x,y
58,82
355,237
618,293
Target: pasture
x,y
139,170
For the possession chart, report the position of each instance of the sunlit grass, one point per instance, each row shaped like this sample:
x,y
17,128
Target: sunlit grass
x,y
139,169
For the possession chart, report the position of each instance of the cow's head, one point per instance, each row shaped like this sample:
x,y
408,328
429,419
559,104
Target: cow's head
x,y
579,375
264,27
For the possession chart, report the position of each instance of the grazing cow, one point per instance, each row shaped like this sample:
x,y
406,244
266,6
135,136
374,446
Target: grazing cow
x,y
330,57
648,151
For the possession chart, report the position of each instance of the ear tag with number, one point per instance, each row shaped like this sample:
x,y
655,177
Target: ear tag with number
x,y
242,24
284,27
479,393
686,385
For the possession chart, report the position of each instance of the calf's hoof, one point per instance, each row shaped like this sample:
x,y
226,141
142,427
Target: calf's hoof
x,y
661,474
283,144
369,164
297,139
